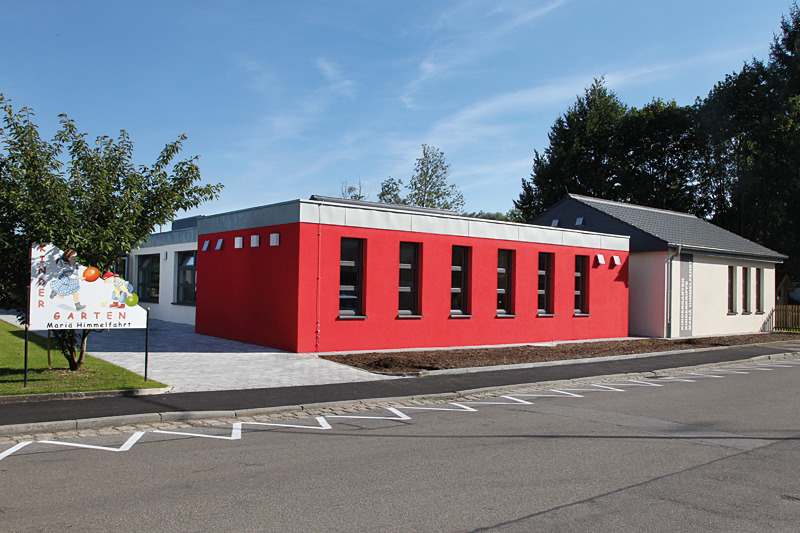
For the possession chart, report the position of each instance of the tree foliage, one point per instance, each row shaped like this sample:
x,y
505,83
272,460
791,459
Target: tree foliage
x,y
428,186
732,157
91,198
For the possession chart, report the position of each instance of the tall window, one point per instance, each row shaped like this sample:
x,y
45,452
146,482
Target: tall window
x,y
148,275
408,303
759,290
187,277
504,282
351,278
545,283
581,284
745,290
459,295
731,290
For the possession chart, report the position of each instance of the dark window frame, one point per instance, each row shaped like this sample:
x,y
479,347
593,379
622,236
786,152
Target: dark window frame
x,y
581,285
352,293
459,281
505,282
409,286
731,290
544,300
745,291
760,290
148,276
186,288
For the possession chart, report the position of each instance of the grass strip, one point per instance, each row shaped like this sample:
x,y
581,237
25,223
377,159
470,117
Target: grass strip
x,y
94,375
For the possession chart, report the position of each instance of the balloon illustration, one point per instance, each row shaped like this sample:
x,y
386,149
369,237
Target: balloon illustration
x,y
91,274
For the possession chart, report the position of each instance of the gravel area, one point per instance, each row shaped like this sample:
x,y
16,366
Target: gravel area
x,y
415,361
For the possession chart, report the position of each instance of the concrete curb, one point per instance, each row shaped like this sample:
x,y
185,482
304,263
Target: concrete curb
x,y
19,430
76,395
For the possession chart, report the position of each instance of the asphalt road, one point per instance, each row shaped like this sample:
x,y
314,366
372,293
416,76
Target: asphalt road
x,y
713,452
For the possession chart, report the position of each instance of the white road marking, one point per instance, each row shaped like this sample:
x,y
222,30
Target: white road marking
x,y
461,407
323,424
14,448
124,448
400,416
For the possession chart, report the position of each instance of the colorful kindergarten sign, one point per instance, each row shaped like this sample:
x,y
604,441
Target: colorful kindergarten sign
x,y
68,295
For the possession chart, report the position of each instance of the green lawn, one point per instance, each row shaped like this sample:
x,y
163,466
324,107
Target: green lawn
x,y
94,374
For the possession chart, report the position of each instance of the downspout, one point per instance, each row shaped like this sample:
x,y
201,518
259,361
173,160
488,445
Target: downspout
x,y
668,330
319,264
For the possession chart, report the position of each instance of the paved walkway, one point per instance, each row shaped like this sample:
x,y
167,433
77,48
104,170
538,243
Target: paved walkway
x,y
189,362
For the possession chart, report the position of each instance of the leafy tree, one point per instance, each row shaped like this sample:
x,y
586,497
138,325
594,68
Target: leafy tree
x,y
353,192
512,215
751,163
428,187
659,151
583,155
98,202
390,191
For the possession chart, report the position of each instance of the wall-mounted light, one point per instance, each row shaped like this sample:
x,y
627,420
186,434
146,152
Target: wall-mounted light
x,y
219,244
164,256
255,241
238,242
205,245
616,260
601,260
274,239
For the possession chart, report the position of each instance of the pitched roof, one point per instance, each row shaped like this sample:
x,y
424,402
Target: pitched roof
x,y
682,229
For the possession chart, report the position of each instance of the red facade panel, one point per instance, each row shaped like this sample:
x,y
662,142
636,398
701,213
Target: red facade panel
x,y
249,294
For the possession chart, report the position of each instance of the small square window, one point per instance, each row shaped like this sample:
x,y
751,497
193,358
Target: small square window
x,y
219,244
205,245
579,221
554,223
274,239
255,241
238,242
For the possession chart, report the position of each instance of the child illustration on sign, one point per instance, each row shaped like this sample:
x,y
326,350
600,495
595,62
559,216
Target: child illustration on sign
x,y
121,289
68,280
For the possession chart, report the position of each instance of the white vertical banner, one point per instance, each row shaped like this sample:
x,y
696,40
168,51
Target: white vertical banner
x,y
68,295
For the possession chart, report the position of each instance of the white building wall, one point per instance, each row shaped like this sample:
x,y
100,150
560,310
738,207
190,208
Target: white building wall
x,y
166,308
647,290
710,296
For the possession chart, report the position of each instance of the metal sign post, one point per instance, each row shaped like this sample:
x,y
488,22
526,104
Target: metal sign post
x,y
146,343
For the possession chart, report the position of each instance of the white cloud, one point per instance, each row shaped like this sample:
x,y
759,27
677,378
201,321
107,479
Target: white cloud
x,y
337,82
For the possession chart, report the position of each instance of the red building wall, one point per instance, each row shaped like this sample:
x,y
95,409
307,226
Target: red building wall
x,y
287,296
249,294
382,329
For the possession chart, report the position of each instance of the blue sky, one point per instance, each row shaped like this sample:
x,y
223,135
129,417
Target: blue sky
x,y
284,99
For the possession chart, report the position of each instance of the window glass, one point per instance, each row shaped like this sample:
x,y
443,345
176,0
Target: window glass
x,y
351,277
459,301
148,276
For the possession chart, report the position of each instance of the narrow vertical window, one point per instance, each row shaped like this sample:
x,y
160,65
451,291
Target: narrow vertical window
x,y
731,290
187,277
505,282
745,290
581,284
148,276
759,290
545,283
459,293
408,303
351,278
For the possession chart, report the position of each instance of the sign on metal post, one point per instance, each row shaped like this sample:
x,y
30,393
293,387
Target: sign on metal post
x,y
67,295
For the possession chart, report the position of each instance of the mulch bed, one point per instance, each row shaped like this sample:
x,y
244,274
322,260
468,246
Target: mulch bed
x,y
415,361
